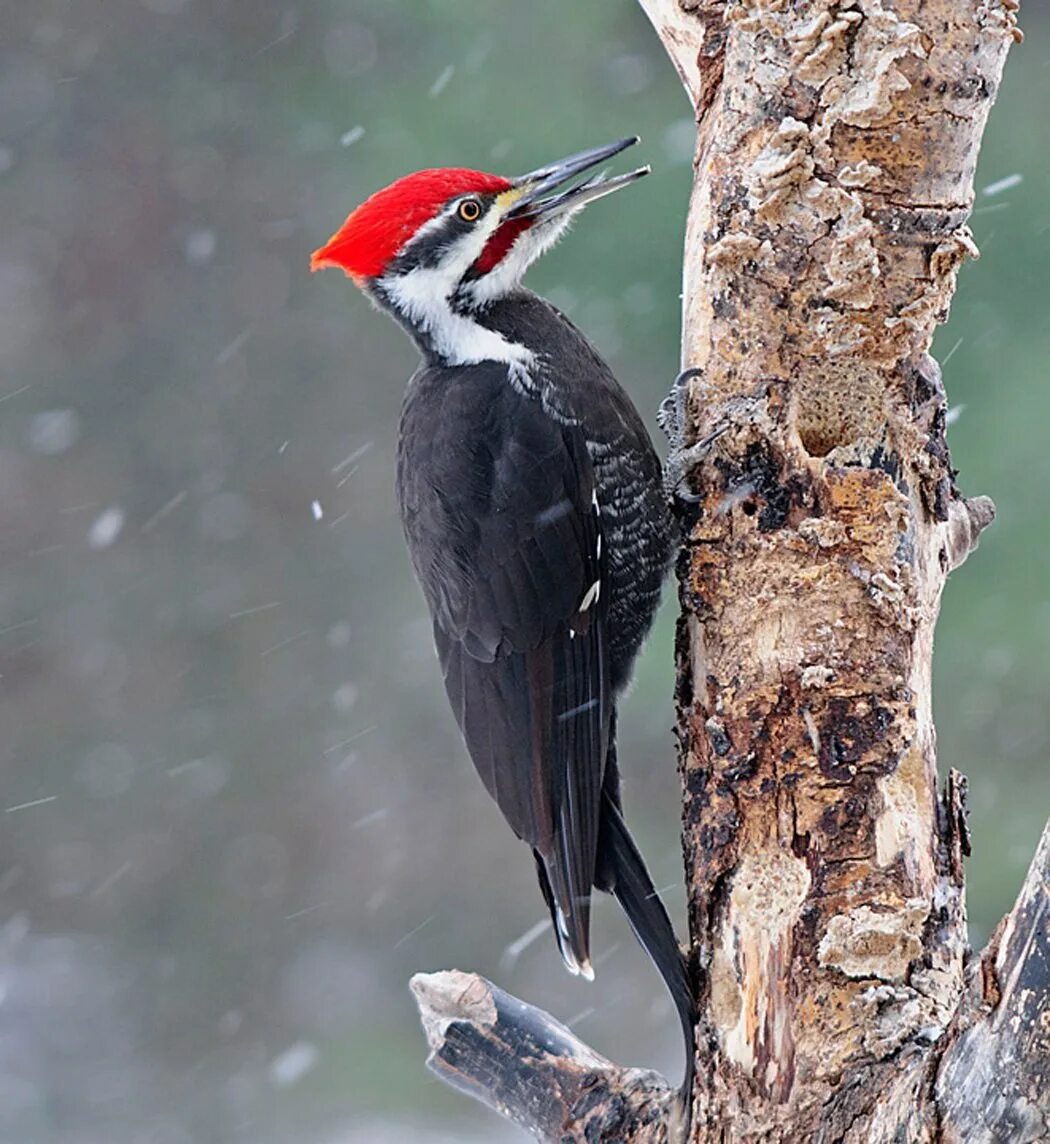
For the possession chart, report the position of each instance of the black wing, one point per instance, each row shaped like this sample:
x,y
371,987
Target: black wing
x,y
497,501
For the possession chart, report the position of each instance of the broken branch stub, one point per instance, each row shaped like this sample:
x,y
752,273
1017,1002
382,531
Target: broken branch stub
x,y
534,1071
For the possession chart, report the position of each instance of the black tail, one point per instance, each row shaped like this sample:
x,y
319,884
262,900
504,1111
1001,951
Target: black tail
x,y
572,926
621,872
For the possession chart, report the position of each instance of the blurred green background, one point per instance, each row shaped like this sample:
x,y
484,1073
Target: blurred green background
x,y
235,815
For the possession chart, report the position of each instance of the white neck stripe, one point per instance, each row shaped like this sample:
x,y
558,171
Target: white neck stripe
x,y
421,296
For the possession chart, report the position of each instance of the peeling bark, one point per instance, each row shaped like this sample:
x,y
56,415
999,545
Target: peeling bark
x,y
837,141
834,178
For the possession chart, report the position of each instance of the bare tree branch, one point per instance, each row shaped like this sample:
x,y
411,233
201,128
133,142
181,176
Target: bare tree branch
x,y
532,1069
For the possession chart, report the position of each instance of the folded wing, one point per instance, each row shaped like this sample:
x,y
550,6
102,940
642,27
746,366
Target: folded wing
x,y
504,531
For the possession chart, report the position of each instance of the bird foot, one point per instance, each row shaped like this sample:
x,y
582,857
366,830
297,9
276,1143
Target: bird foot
x,y
673,414
673,419
681,462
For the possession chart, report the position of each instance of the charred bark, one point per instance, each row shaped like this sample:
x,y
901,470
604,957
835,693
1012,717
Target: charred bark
x,y
837,141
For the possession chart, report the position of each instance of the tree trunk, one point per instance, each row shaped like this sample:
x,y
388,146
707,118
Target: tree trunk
x,y
839,999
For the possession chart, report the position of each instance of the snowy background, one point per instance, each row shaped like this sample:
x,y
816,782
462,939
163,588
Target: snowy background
x,y
234,812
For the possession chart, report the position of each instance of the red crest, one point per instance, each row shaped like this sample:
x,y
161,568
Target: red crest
x,y
373,234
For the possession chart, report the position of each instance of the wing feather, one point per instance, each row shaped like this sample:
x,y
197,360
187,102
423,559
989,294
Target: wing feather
x,y
497,503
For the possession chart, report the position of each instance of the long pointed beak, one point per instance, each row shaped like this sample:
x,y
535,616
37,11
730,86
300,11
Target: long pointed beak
x,y
538,202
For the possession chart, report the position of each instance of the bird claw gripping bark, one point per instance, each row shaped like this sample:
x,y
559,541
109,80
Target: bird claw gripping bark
x,y
673,419
673,414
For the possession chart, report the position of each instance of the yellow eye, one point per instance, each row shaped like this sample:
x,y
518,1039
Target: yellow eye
x,y
470,210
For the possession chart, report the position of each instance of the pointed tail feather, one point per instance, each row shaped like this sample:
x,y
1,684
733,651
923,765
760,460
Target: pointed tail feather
x,y
622,872
571,926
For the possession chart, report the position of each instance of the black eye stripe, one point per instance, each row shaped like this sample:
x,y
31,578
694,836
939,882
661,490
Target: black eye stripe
x,y
428,250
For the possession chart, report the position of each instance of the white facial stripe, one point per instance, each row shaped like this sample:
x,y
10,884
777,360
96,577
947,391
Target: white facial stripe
x,y
463,253
422,294
436,223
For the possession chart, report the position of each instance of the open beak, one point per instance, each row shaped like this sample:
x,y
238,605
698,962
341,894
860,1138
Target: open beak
x,y
541,198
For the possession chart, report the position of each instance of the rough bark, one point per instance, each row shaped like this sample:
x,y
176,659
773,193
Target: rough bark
x,y
836,149
837,141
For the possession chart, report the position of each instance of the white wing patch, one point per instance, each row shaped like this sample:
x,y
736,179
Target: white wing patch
x,y
594,592
591,595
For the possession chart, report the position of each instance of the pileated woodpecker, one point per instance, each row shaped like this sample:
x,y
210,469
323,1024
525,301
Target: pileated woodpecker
x,y
532,502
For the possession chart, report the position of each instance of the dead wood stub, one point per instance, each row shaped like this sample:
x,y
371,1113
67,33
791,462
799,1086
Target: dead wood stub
x,y
993,1081
533,1070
